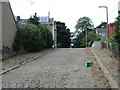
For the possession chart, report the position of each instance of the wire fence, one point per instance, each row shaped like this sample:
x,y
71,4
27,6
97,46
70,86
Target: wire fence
x,y
113,48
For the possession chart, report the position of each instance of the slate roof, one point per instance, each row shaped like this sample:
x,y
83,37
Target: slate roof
x,y
23,21
44,19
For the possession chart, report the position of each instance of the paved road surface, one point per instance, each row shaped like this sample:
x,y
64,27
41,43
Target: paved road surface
x,y
58,69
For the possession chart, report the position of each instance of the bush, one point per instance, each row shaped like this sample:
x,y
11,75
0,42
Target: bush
x,y
80,40
31,38
47,35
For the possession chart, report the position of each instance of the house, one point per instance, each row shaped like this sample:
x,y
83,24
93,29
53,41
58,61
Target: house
x,y
111,29
49,22
101,31
8,28
23,21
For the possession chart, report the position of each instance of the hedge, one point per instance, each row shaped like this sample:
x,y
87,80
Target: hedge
x,y
31,38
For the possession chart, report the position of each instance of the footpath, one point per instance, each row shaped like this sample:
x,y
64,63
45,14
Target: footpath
x,y
16,61
108,64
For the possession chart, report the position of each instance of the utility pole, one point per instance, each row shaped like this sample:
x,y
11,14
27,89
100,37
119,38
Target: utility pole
x,y
86,37
85,29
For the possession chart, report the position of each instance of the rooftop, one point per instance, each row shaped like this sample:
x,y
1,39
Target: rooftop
x,y
4,0
23,21
44,19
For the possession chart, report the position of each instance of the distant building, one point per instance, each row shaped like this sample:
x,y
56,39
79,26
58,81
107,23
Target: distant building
x,y
111,29
45,20
8,28
103,31
23,21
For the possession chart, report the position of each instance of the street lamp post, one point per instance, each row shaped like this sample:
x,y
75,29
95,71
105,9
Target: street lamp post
x,y
86,37
107,21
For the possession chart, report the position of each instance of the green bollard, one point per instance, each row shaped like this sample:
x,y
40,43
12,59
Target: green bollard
x,y
88,64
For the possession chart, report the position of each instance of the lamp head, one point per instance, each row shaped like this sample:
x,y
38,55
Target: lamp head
x,y
102,6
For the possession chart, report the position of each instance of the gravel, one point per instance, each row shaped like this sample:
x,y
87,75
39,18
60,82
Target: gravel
x,y
61,68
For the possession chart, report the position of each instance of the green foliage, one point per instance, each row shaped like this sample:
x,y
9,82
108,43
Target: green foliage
x,y
102,25
32,38
82,25
117,29
80,40
47,35
63,35
34,19
110,39
116,36
92,37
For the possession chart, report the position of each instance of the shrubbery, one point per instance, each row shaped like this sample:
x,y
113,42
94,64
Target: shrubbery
x,y
117,31
32,38
85,34
80,40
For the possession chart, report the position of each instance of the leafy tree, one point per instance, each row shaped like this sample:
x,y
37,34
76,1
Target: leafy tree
x,y
63,35
117,31
79,41
18,19
82,25
34,19
102,25
47,35
92,36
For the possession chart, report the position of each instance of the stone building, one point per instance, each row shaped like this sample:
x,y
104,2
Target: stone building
x,y
101,31
111,29
8,28
49,22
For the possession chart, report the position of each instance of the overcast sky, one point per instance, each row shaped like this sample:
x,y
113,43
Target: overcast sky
x,y
68,11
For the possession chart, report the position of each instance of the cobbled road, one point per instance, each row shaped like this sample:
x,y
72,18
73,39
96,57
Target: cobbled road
x,y
62,68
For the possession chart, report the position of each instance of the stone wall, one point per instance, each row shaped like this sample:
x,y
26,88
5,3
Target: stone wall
x,y
0,27
7,52
8,29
